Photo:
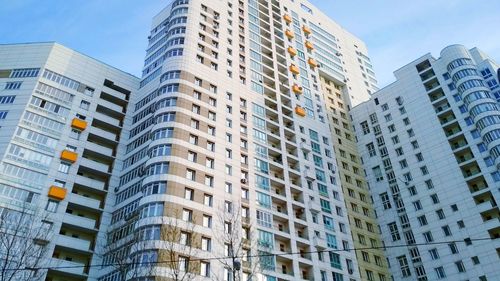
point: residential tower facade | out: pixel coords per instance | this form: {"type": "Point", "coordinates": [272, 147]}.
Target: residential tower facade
{"type": "Point", "coordinates": [429, 142]}
{"type": "Point", "coordinates": [61, 124]}
{"type": "Point", "coordinates": [230, 120]}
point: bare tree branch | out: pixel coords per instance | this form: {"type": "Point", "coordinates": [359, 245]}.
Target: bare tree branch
{"type": "Point", "coordinates": [24, 235]}
{"type": "Point", "coordinates": [235, 233]}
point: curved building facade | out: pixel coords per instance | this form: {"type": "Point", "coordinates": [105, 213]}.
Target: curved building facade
{"type": "Point", "coordinates": [476, 96]}
{"type": "Point", "coordinates": [229, 172]}
{"type": "Point", "coordinates": [432, 166]}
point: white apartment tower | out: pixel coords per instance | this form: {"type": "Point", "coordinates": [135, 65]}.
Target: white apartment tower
{"type": "Point", "coordinates": [229, 159]}
{"type": "Point", "coordinates": [61, 119]}
{"type": "Point", "coordinates": [431, 149]}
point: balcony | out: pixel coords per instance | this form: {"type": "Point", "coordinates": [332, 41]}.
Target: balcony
{"type": "Point", "coordinates": [115, 93]}
{"type": "Point", "coordinates": [78, 124]}
{"type": "Point", "coordinates": [69, 267]}
{"type": "Point", "coordinates": [73, 243]}
{"type": "Point", "coordinates": [112, 106]}
{"type": "Point", "coordinates": [104, 134]}
{"type": "Point", "coordinates": [91, 164]}
{"type": "Point", "coordinates": [485, 206]}
{"type": "Point", "coordinates": [88, 182]}
{"type": "Point", "coordinates": [99, 149]}
{"type": "Point", "coordinates": [69, 156]}
{"type": "Point", "coordinates": [107, 119]}
{"type": "Point", "coordinates": [78, 221]}
{"type": "Point", "coordinates": [85, 201]}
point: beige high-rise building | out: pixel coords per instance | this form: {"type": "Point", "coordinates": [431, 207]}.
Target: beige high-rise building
{"type": "Point", "coordinates": [231, 120]}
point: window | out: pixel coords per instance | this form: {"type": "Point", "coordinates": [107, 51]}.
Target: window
{"type": "Point", "coordinates": [183, 263]}
{"type": "Point", "coordinates": [453, 248]}
{"type": "Point", "coordinates": [187, 215]}
{"type": "Point", "coordinates": [428, 236]}
{"type": "Point", "coordinates": [52, 206]}
{"type": "Point", "coordinates": [434, 254]}
{"type": "Point", "coordinates": [193, 139]}
{"type": "Point", "coordinates": [190, 174]}
{"type": "Point", "coordinates": [365, 127]}
{"type": "Point", "coordinates": [460, 266]}
{"type": "Point", "coordinates": [209, 163]}
{"type": "Point", "coordinates": [7, 99]}
{"type": "Point", "coordinates": [189, 194]}
{"type": "Point", "coordinates": [440, 272]}
{"type": "Point", "coordinates": [207, 221]}
{"type": "Point", "coordinates": [3, 114]}
{"type": "Point", "coordinates": [403, 264]}
{"type": "Point", "coordinates": [84, 105]}
{"type": "Point", "coordinates": [185, 238]}
{"type": "Point", "coordinates": [208, 200]}
{"type": "Point", "coordinates": [435, 198]}
{"type": "Point", "coordinates": [446, 230]}
{"type": "Point", "coordinates": [192, 156]}
{"type": "Point", "coordinates": [209, 181]}
{"type": "Point", "coordinates": [475, 260]}
{"type": "Point", "coordinates": [393, 228]}
{"type": "Point", "coordinates": [371, 149]}
{"type": "Point", "coordinates": [64, 167]}
{"type": "Point", "coordinates": [152, 210]}
{"type": "Point", "coordinates": [205, 269]}
{"type": "Point", "coordinates": [384, 197]}
{"type": "Point", "coordinates": [422, 220]}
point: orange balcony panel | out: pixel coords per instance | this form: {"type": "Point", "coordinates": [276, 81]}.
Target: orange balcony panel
{"type": "Point", "coordinates": [292, 51]}
{"type": "Point", "coordinates": [312, 62]}
{"type": "Point", "coordinates": [297, 89]}
{"type": "Point", "coordinates": [294, 69]}
{"type": "Point", "coordinates": [300, 111]}
{"type": "Point", "coordinates": [309, 45]}
{"type": "Point", "coordinates": [306, 30]}
{"type": "Point", "coordinates": [289, 34]}
{"type": "Point", "coordinates": [69, 156]}
{"type": "Point", "coordinates": [78, 124]}
{"type": "Point", "coordinates": [56, 192]}
{"type": "Point", "coordinates": [287, 18]}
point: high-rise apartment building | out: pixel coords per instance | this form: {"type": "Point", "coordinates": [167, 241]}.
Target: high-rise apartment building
{"type": "Point", "coordinates": [230, 143]}
{"type": "Point", "coordinates": [430, 145]}
{"type": "Point", "coordinates": [61, 120]}
{"type": "Point", "coordinates": [346, 78]}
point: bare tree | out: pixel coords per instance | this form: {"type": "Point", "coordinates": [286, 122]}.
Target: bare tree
{"type": "Point", "coordinates": [24, 235]}
{"type": "Point", "coordinates": [122, 250]}
{"type": "Point", "coordinates": [180, 243]}
{"type": "Point", "coordinates": [234, 234]}
{"type": "Point", "coordinates": [135, 256]}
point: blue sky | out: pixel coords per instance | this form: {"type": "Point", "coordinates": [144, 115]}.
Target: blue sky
{"type": "Point", "coordinates": [395, 31]}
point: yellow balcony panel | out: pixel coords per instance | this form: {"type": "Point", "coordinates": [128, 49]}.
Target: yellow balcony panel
{"type": "Point", "coordinates": [56, 192]}
{"type": "Point", "coordinates": [309, 45]}
{"type": "Point", "coordinates": [292, 51]}
{"type": "Point", "coordinates": [312, 62]}
{"type": "Point", "coordinates": [294, 69]}
{"type": "Point", "coordinates": [297, 89]}
{"type": "Point", "coordinates": [69, 156]}
{"type": "Point", "coordinates": [289, 34]}
{"type": "Point", "coordinates": [287, 18]}
{"type": "Point", "coordinates": [300, 111]}
{"type": "Point", "coordinates": [78, 124]}
{"type": "Point", "coordinates": [306, 30]}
